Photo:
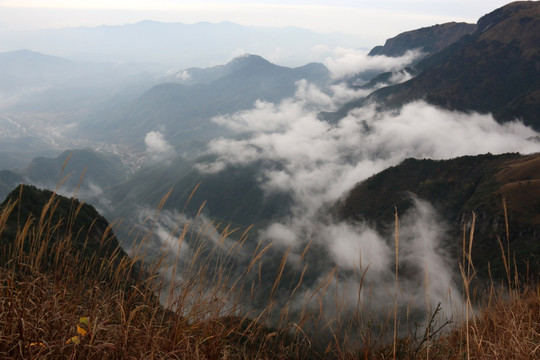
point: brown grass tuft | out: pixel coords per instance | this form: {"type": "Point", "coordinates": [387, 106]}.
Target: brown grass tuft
{"type": "Point", "coordinates": [57, 302]}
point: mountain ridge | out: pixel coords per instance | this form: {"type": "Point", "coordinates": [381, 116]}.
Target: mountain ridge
{"type": "Point", "coordinates": [185, 110]}
{"type": "Point", "coordinates": [428, 39]}
{"type": "Point", "coordinates": [456, 188]}
{"type": "Point", "coordinates": [493, 70]}
{"type": "Point", "coordinates": [179, 44]}
{"type": "Point", "coordinates": [88, 232]}
{"type": "Point", "coordinates": [82, 169]}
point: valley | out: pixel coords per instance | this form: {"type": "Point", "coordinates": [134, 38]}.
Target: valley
{"type": "Point", "coordinates": [314, 175]}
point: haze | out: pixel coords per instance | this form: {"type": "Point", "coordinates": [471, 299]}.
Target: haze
{"type": "Point", "coordinates": [371, 21]}
{"type": "Point", "coordinates": [241, 101]}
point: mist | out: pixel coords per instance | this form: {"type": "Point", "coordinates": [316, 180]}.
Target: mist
{"type": "Point", "coordinates": [157, 148]}
{"type": "Point", "coordinates": [177, 44]}
{"type": "Point", "coordinates": [317, 163]}
{"type": "Point", "coordinates": [348, 62]}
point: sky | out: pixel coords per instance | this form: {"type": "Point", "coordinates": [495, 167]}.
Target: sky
{"type": "Point", "coordinates": [372, 20]}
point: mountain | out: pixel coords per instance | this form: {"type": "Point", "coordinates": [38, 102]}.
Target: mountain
{"type": "Point", "coordinates": [32, 81]}
{"type": "Point", "coordinates": [88, 232]}
{"type": "Point", "coordinates": [177, 44]}
{"type": "Point", "coordinates": [234, 195]}
{"type": "Point", "coordinates": [93, 170]}
{"type": "Point", "coordinates": [493, 70]}
{"type": "Point", "coordinates": [42, 98]}
{"type": "Point", "coordinates": [194, 75]}
{"type": "Point", "coordinates": [18, 147]}
{"type": "Point", "coordinates": [428, 39]}
{"type": "Point", "coordinates": [24, 68]}
{"type": "Point", "coordinates": [184, 111]}
{"type": "Point", "coordinates": [456, 188]}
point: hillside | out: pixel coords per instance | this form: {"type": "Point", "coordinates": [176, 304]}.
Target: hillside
{"type": "Point", "coordinates": [72, 227]}
{"type": "Point", "coordinates": [428, 40]}
{"type": "Point", "coordinates": [69, 290]}
{"type": "Point", "coordinates": [89, 171]}
{"type": "Point", "coordinates": [456, 188]}
{"type": "Point", "coordinates": [493, 70]}
{"type": "Point", "coordinates": [234, 195]}
{"type": "Point", "coordinates": [25, 69]}
{"type": "Point", "coordinates": [184, 108]}
{"type": "Point", "coordinates": [8, 180]}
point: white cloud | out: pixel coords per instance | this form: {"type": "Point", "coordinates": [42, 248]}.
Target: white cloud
{"type": "Point", "coordinates": [239, 53]}
{"type": "Point", "coordinates": [311, 95]}
{"type": "Point", "coordinates": [265, 117]}
{"type": "Point", "coordinates": [348, 62]}
{"type": "Point", "coordinates": [157, 148]}
{"type": "Point", "coordinates": [280, 234]}
{"type": "Point", "coordinates": [317, 163]}
{"type": "Point", "coordinates": [183, 75]}
{"type": "Point", "coordinates": [358, 247]}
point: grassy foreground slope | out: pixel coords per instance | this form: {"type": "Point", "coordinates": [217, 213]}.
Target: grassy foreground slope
{"type": "Point", "coordinates": [53, 305]}
{"type": "Point", "coordinates": [67, 290]}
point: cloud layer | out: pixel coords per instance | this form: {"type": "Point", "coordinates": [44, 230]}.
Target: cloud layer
{"type": "Point", "coordinates": [348, 62]}
{"type": "Point", "coordinates": [318, 162]}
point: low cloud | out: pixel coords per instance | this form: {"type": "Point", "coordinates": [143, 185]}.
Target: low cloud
{"type": "Point", "coordinates": [256, 119]}
{"type": "Point", "coordinates": [239, 52]}
{"type": "Point", "coordinates": [183, 75]}
{"type": "Point", "coordinates": [317, 163]}
{"type": "Point", "coordinates": [347, 62]}
{"type": "Point", "coordinates": [157, 148]}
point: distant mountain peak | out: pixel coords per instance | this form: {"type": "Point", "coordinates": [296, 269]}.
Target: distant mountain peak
{"type": "Point", "coordinates": [248, 58]}
{"type": "Point", "coordinates": [247, 61]}
{"type": "Point", "coordinates": [501, 14]}
{"type": "Point", "coordinates": [492, 70]}
{"type": "Point", "coordinates": [26, 53]}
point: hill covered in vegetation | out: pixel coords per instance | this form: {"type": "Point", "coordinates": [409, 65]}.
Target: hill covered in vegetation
{"type": "Point", "coordinates": [492, 70]}
{"type": "Point", "coordinates": [458, 187]}
{"type": "Point", "coordinates": [68, 290]}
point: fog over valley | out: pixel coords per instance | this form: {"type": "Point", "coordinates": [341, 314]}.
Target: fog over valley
{"type": "Point", "coordinates": [291, 154]}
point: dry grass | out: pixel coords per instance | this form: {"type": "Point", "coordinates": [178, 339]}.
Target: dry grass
{"type": "Point", "coordinates": [53, 306]}
{"type": "Point", "coordinates": [506, 324]}
{"type": "Point", "coordinates": [508, 328]}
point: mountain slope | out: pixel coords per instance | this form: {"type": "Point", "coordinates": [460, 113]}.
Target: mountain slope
{"type": "Point", "coordinates": [93, 170]}
{"type": "Point", "coordinates": [88, 232]}
{"type": "Point", "coordinates": [183, 112]}
{"type": "Point", "coordinates": [493, 70]}
{"type": "Point", "coordinates": [232, 195]}
{"type": "Point", "coordinates": [8, 180]}
{"type": "Point", "coordinates": [456, 188]}
{"type": "Point", "coordinates": [428, 40]}
{"type": "Point", "coordinates": [24, 68]}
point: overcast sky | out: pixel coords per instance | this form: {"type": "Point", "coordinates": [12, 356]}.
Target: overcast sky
{"type": "Point", "coordinates": [371, 20]}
